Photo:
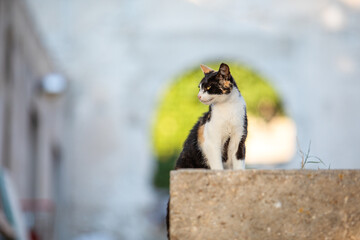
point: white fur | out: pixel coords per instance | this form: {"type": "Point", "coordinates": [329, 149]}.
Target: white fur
{"type": "Point", "coordinates": [227, 120]}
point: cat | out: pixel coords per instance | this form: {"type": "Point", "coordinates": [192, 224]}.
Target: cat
{"type": "Point", "coordinates": [217, 141]}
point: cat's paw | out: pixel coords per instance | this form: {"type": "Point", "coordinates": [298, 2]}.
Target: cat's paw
{"type": "Point", "coordinates": [239, 164]}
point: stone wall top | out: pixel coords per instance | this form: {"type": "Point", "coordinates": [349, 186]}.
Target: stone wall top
{"type": "Point", "coordinates": [265, 204]}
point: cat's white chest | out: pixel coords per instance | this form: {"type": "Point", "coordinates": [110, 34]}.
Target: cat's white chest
{"type": "Point", "coordinates": [227, 119]}
{"type": "Point", "coordinates": [226, 125]}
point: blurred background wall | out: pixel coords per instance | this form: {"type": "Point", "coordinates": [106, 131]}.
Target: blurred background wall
{"type": "Point", "coordinates": [31, 139]}
{"type": "Point", "coordinates": [120, 56]}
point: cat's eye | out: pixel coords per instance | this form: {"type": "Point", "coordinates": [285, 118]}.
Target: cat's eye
{"type": "Point", "coordinates": [208, 87]}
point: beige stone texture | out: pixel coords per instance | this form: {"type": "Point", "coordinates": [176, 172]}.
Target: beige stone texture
{"type": "Point", "coordinates": [265, 204]}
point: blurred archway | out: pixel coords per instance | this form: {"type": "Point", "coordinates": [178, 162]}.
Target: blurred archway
{"type": "Point", "coordinates": [272, 134]}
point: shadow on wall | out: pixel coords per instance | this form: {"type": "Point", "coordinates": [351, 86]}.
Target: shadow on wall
{"type": "Point", "coordinates": [272, 134]}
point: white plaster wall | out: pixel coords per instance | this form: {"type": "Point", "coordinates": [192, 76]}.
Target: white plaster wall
{"type": "Point", "coordinates": [121, 55]}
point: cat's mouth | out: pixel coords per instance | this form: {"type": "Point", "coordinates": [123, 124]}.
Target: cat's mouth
{"type": "Point", "coordinates": [207, 101]}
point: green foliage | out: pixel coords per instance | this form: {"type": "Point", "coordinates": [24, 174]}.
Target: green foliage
{"type": "Point", "coordinates": [179, 109]}
{"type": "Point", "coordinates": [164, 166]}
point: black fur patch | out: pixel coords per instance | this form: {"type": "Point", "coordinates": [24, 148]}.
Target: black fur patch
{"type": "Point", "coordinates": [240, 154]}
{"type": "Point", "coordinates": [168, 219]}
{"type": "Point", "coordinates": [191, 155]}
{"type": "Point", "coordinates": [217, 83]}
{"type": "Point", "coordinates": [224, 154]}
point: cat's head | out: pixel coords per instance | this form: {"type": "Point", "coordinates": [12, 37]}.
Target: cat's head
{"type": "Point", "coordinates": [216, 86]}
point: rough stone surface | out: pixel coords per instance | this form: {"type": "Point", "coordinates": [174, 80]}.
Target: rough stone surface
{"type": "Point", "coordinates": [263, 204]}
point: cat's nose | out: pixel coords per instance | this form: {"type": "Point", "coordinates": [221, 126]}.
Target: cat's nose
{"type": "Point", "coordinates": [199, 97]}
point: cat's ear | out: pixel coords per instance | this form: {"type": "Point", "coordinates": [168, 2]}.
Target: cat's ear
{"type": "Point", "coordinates": [224, 71]}
{"type": "Point", "coordinates": [206, 69]}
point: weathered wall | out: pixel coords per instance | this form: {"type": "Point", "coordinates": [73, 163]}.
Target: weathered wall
{"type": "Point", "coordinates": [263, 204]}
{"type": "Point", "coordinates": [30, 121]}
{"type": "Point", "coordinates": [122, 54]}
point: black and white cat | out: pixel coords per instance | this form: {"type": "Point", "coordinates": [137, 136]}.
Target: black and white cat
{"type": "Point", "coordinates": [217, 141]}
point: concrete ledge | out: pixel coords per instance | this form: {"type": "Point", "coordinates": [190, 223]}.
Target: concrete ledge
{"type": "Point", "coordinates": [265, 204]}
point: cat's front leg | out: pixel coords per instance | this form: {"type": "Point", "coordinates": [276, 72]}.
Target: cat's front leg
{"type": "Point", "coordinates": [237, 152]}
{"type": "Point", "coordinates": [212, 152]}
